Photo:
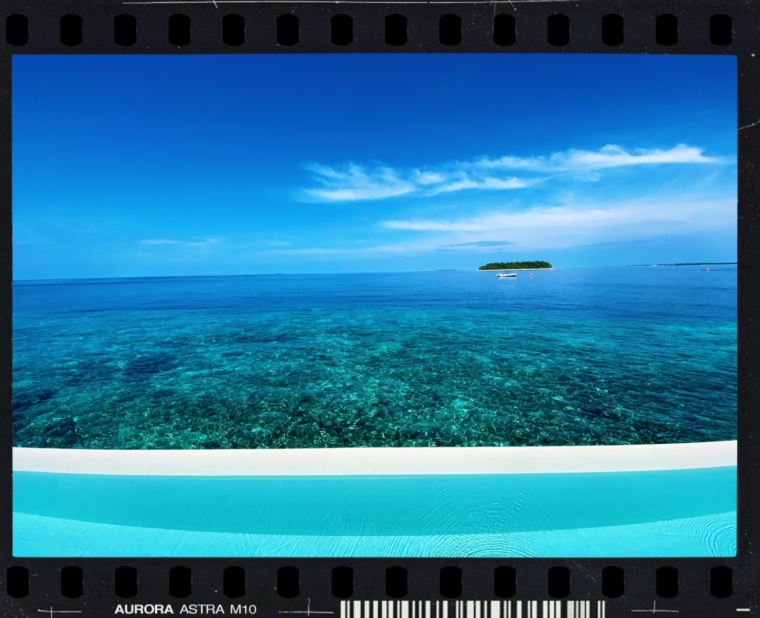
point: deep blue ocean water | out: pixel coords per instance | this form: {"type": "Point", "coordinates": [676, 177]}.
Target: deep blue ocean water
{"type": "Point", "coordinates": [577, 356]}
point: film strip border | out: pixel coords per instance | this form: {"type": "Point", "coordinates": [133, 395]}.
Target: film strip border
{"type": "Point", "coordinates": [209, 26]}
{"type": "Point", "coordinates": [287, 582]}
{"type": "Point", "coordinates": [240, 26]}
{"type": "Point", "coordinates": [547, 608]}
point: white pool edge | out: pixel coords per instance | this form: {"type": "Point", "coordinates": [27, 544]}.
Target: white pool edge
{"type": "Point", "coordinates": [378, 461]}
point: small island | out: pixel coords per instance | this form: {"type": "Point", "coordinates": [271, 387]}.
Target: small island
{"type": "Point", "coordinates": [515, 265]}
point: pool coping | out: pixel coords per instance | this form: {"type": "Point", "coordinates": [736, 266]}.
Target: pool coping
{"type": "Point", "coordinates": [372, 461]}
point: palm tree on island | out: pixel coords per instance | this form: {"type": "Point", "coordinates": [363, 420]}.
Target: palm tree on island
{"type": "Point", "coordinates": [516, 265]}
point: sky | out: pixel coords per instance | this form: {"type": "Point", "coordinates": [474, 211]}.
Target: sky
{"type": "Point", "coordinates": [144, 165]}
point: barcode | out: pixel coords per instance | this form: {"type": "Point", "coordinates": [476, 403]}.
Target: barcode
{"type": "Point", "coordinates": [473, 609]}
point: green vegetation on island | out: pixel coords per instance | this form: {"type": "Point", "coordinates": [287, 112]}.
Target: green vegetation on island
{"type": "Point", "coordinates": [515, 265]}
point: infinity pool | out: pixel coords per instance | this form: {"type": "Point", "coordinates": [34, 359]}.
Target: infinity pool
{"type": "Point", "coordinates": [689, 512]}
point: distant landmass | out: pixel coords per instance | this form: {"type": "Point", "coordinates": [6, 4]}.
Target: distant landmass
{"type": "Point", "coordinates": [690, 264]}
{"type": "Point", "coordinates": [515, 265]}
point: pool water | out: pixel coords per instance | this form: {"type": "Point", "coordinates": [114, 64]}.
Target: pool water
{"type": "Point", "coordinates": [629, 514]}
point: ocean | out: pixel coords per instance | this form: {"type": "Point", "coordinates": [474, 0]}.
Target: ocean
{"type": "Point", "coordinates": [635, 355]}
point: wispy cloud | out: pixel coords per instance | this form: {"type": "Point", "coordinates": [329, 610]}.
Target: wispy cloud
{"type": "Point", "coordinates": [537, 217]}
{"type": "Point", "coordinates": [489, 182]}
{"type": "Point", "coordinates": [609, 156]}
{"type": "Point", "coordinates": [353, 182]}
{"type": "Point", "coordinates": [372, 251]}
{"type": "Point", "coordinates": [573, 224]}
{"type": "Point", "coordinates": [542, 228]}
{"type": "Point", "coordinates": [479, 243]}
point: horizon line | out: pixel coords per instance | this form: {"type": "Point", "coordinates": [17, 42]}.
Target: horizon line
{"type": "Point", "coordinates": [371, 272]}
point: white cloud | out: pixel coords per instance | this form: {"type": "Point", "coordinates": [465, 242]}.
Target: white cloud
{"type": "Point", "coordinates": [486, 183]}
{"type": "Point", "coordinates": [372, 251]}
{"type": "Point", "coordinates": [428, 178]}
{"type": "Point", "coordinates": [478, 243]}
{"type": "Point", "coordinates": [542, 228]}
{"type": "Point", "coordinates": [568, 225]}
{"type": "Point", "coordinates": [353, 182]}
{"type": "Point", "coordinates": [537, 217]}
{"type": "Point", "coordinates": [607, 157]}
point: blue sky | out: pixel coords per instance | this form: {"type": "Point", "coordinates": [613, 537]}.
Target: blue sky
{"type": "Point", "coordinates": [202, 165]}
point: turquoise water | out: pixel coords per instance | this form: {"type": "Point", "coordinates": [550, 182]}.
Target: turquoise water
{"type": "Point", "coordinates": [713, 536]}
{"type": "Point", "coordinates": [584, 356]}
{"type": "Point", "coordinates": [581, 356]}
{"type": "Point", "coordinates": [633, 514]}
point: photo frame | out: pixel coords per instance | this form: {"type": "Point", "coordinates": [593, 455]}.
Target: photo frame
{"type": "Point", "coordinates": [456, 586]}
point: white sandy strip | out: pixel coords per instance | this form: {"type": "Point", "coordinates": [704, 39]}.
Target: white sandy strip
{"type": "Point", "coordinates": [378, 461]}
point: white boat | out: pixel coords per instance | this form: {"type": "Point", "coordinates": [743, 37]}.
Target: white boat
{"type": "Point", "coordinates": [505, 275]}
